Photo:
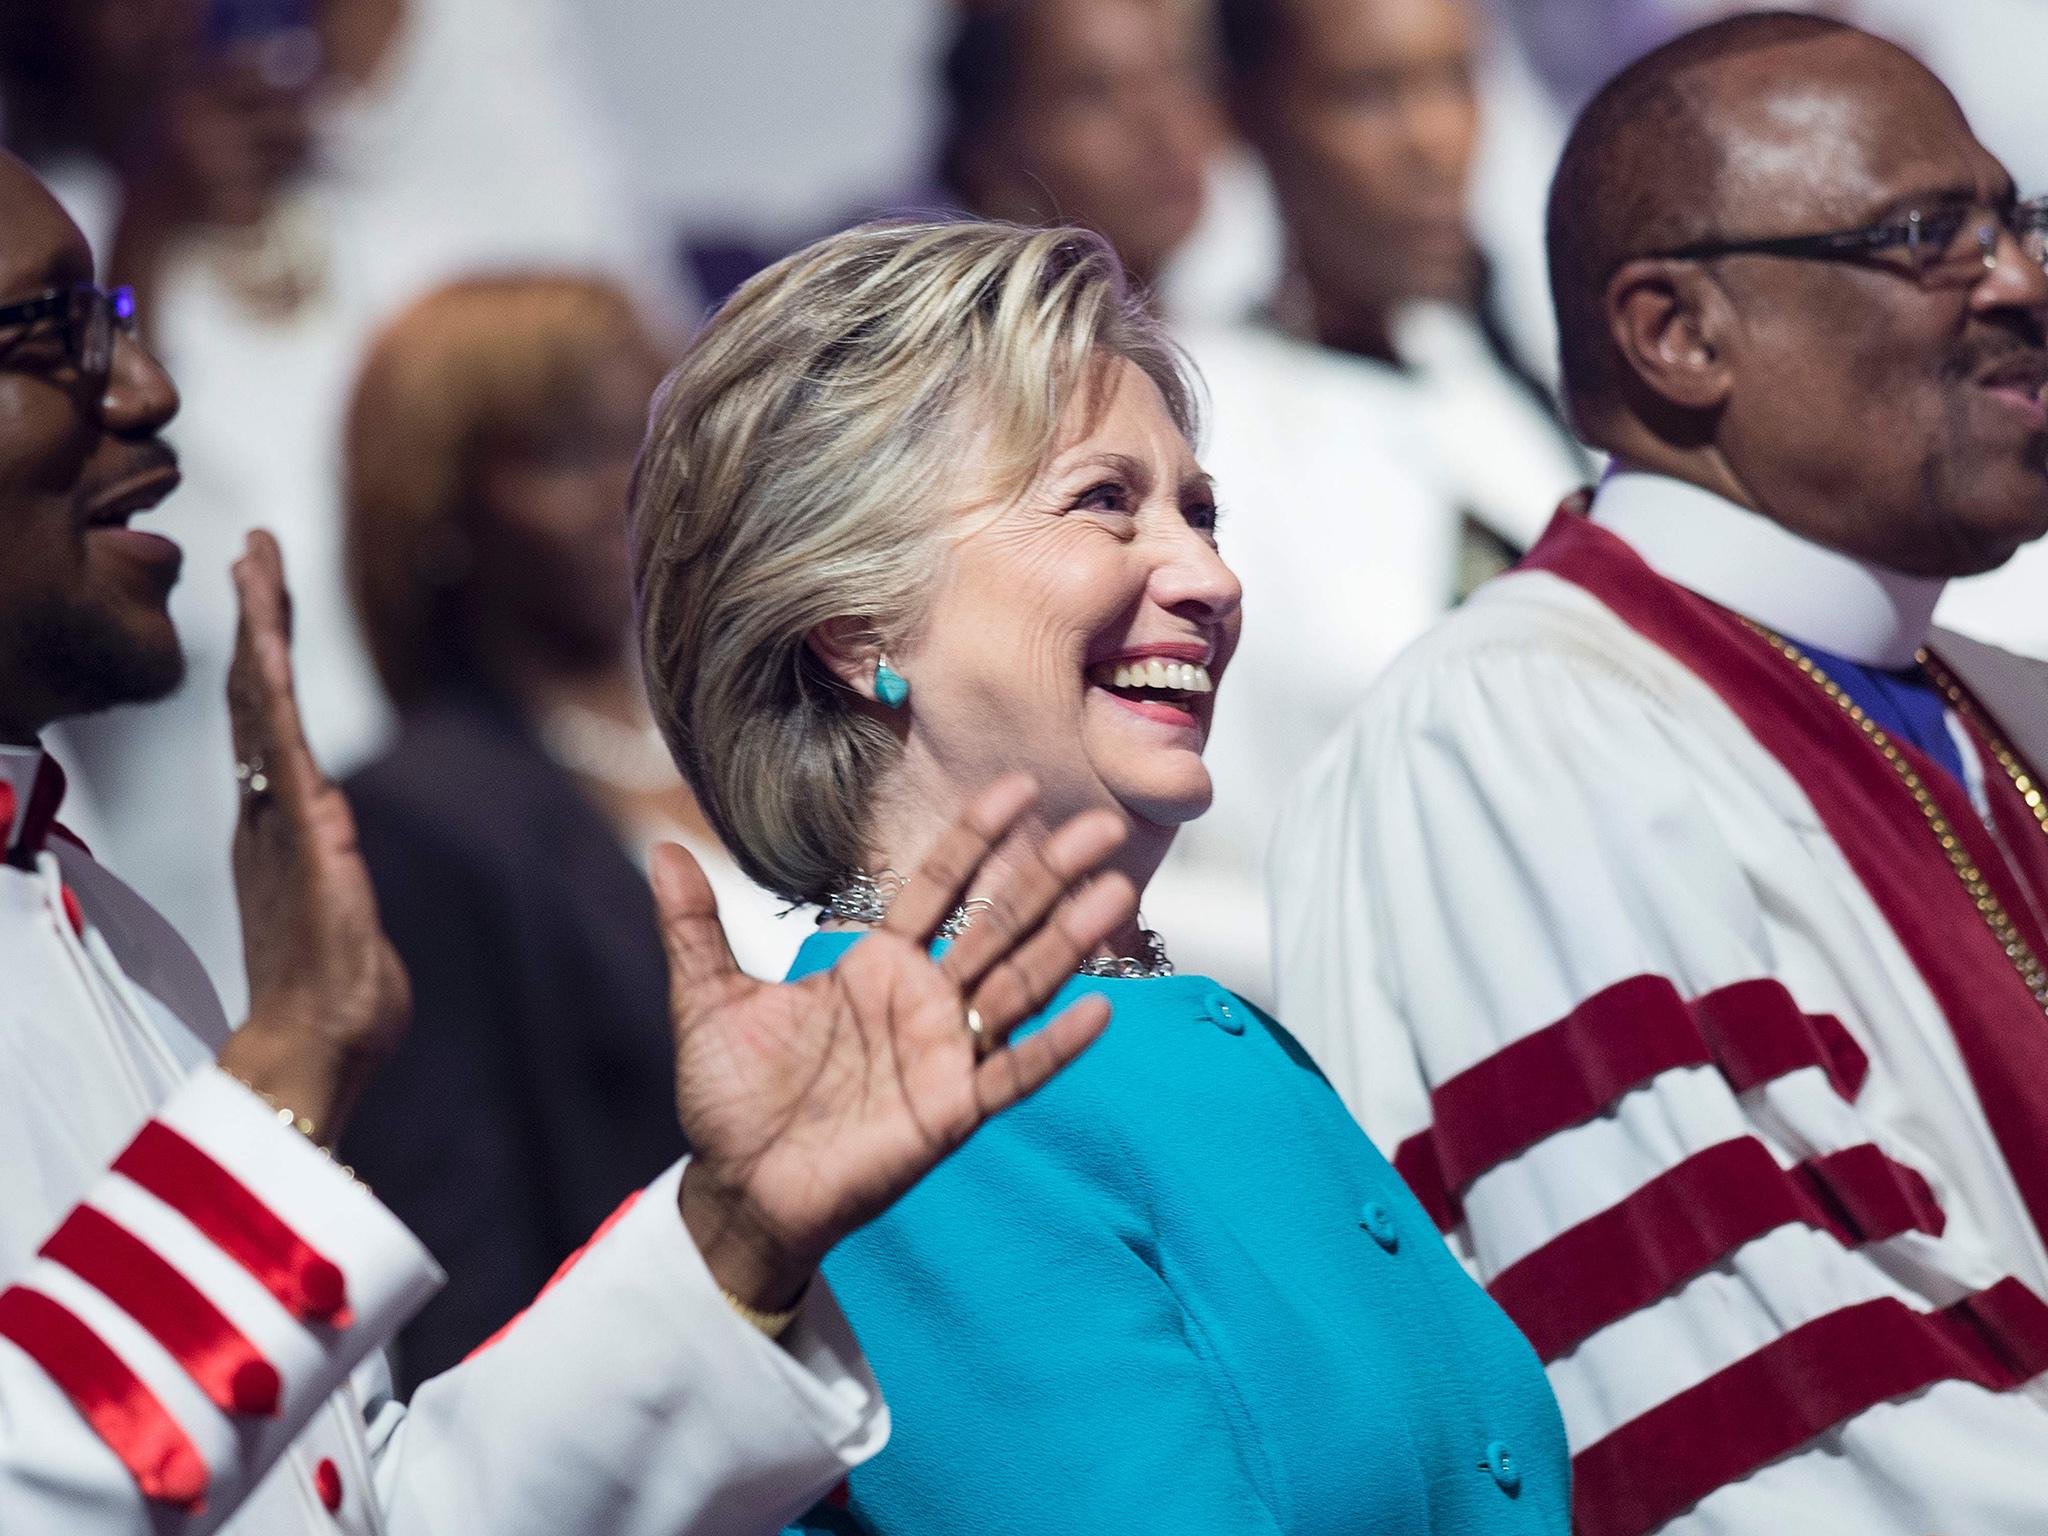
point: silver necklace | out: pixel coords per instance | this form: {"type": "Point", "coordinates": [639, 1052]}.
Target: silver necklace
{"type": "Point", "coordinates": [865, 898]}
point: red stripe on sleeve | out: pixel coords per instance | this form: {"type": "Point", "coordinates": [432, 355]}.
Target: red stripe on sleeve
{"type": "Point", "coordinates": [1562, 1075]}
{"type": "Point", "coordinates": [1769, 1404]}
{"type": "Point", "coordinates": [307, 1284]}
{"type": "Point", "coordinates": [1688, 1219]}
{"type": "Point", "coordinates": [128, 1272]}
{"type": "Point", "coordinates": [1865, 1197]}
{"type": "Point", "coordinates": [1615, 1041]}
{"type": "Point", "coordinates": [1757, 1034]}
{"type": "Point", "coordinates": [121, 1409]}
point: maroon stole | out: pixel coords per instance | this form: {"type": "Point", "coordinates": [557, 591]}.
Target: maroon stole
{"type": "Point", "coordinates": [2001, 1032]}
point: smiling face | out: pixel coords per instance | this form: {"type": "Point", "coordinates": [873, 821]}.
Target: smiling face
{"type": "Point", "coordinates": [84, 622]}
{"type": "Point", "coordinates": [1897, 419]}
{"type": "Point", "coordinates": [1078, 631]}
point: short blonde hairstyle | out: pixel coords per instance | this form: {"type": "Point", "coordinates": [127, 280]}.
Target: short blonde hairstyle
{"type": "Point", "coordinates": [798, 469]}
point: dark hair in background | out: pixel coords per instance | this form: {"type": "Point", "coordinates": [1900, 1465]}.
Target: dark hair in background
{"type": "Point", "coordinates": [1249, 33]}
{"type": "Point", "coordinates": [1641, 172]}
{"type": "Point", "coordinates": [38, 91]}
{"type": "Point", "coordinates": [978, 79]}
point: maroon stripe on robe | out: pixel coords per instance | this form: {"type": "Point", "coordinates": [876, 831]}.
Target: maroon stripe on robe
{"type": "Point", "coordinates": [1660, 1464]}
{"type": "Point", "coordinates": [1616, 1041]}
{"type": "Point", "coordinates": [1689, 1218]}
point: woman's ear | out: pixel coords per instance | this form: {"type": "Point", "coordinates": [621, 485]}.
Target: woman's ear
{"type": "Point", "coordinates": [1670, 322]}
{"type": "Point", "coordinates": [850, 650]}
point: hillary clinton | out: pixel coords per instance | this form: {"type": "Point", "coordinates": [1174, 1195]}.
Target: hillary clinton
{"type": "Point", "coordinates": [920, 510]}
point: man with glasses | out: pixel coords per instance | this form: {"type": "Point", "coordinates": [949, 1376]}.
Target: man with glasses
{"type": "Point", "coordinates": [1676, 913]}
{"type": "Point", "coordinates": [194, 1293]}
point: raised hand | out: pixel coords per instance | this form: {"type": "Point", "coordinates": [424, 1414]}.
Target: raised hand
{"type": "Point", "coordinates": [811, 1107]}
{"type": "Point", "coordinates": [328, 998]}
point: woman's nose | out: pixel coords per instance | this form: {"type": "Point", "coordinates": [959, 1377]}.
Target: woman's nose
{"type": "Point", "coordinates": [1194, 579]}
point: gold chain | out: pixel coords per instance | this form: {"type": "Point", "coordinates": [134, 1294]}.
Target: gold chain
{"type": "Point", "coordinates": [2009, 760]}
{"type": "Point", "coordinates": [1978, 888]}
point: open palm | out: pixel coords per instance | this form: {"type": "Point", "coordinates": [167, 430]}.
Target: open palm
{"type": "Point", "coordinates": [812, 1106]}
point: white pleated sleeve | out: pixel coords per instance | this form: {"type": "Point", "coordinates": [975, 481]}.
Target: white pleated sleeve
{"type": "Point", "coordinates": [185, 1322]}
{"type": "Point", "coordinates": [225, 1281]}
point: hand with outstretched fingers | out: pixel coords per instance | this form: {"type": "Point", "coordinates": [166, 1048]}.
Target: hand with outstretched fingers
{"type": "Point", "coordinates": [328, 998]}
{"type": "Point", "coordinates": [812, 1106]}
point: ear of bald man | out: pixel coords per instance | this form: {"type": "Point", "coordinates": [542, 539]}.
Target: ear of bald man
{"type": "Point", "coordinates": [1671, 322]}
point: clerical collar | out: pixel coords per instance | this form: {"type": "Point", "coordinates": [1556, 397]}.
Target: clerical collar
{"type": "Point", "coordinates": [1746, 563]}
{"type": "Point", "coordinates": [18, 769]}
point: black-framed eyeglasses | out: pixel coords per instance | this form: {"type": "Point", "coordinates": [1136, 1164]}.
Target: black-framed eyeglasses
{"type": "Point", "coordinates": [91, 317]}
{"type": "Point", "coordinates": [1946, 246]}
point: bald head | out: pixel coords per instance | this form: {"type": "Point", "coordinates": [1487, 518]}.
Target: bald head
{"type": "Point", "coordinates": [1737, 129]}
{"type": "Point", "coordinates": [1786, 271]}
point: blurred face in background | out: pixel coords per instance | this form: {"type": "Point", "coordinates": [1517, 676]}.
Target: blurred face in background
{"type": "Point", "coordinates": [1108, 122]}
{"type": "Point", "coordinates": [547, 522]}
{"type": "Point", "coordinates": [1366, 115]}
{"type": "Point", "coordinates": [490, 448]}
{"type": "Point", "coordinates": [205, 107]}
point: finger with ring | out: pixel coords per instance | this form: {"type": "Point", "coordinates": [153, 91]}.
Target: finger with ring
{"type": "Point", "coordinates": [252, 777]}
{"type": "Point", "coordinates": [975, 1027]}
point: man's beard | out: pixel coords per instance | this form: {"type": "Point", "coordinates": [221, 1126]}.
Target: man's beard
{"type": "Point", "coordinates": [83, 660]}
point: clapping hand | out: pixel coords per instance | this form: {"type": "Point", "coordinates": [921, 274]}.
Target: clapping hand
{"type": "Point", "coordinates": [812, 1106]}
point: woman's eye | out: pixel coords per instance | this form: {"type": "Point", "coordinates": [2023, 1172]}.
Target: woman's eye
{"type": "Point", "coordinates": [1204, 516]}
{"type": "Point", "coordinates": [1109, 496]}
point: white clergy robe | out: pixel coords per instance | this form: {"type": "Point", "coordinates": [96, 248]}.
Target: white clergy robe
{"type": "Point", "coordinates": [1654, 977]}
{"type": "Point", "coordinates": [193, 1298]}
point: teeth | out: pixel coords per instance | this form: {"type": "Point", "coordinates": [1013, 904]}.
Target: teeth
{"type": "Point", "coordinates": [1166, 676]}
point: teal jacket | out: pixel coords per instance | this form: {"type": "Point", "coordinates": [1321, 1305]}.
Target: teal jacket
{"type": "Point", "coordinates": [1179, 1291]}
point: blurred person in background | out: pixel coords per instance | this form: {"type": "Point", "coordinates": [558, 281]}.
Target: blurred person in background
{"type": "Point", "coordinates": [1367, 116]}
{"type": "Point", "coordinates": [1091, 112]}
{"type": "Point", "coordinates": [1105, 114]}
{"type": "Point", "coordinates": [274, 177]}
{"type": "Point", "coordinates": [1378, 443]}
{"type": "Point", "coordinates": [487, 456]}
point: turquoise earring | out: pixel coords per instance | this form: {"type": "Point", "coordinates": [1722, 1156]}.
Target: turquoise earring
{"type": "Point", "coordinates": [891, 686]}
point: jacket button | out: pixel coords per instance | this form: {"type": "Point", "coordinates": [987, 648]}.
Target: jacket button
{"type": "Point", "coordinates": [1225, 1011]}
{"type": "Point", "coordinates": [1378, 1222]}
{"type": "Point", "coordinates": [1500, 1462]}
{"type": "Point", "coordinates": [327, 1483]}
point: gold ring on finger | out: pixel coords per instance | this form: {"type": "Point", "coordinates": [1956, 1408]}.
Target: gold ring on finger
{"type": "Point", "coordinates": [975, 1027]}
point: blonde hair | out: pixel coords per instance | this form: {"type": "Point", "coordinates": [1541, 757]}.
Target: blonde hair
{"type": "Point", "coordinates": [448, 377]}
{"type": "Point", "coordinates": [799, 466]}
